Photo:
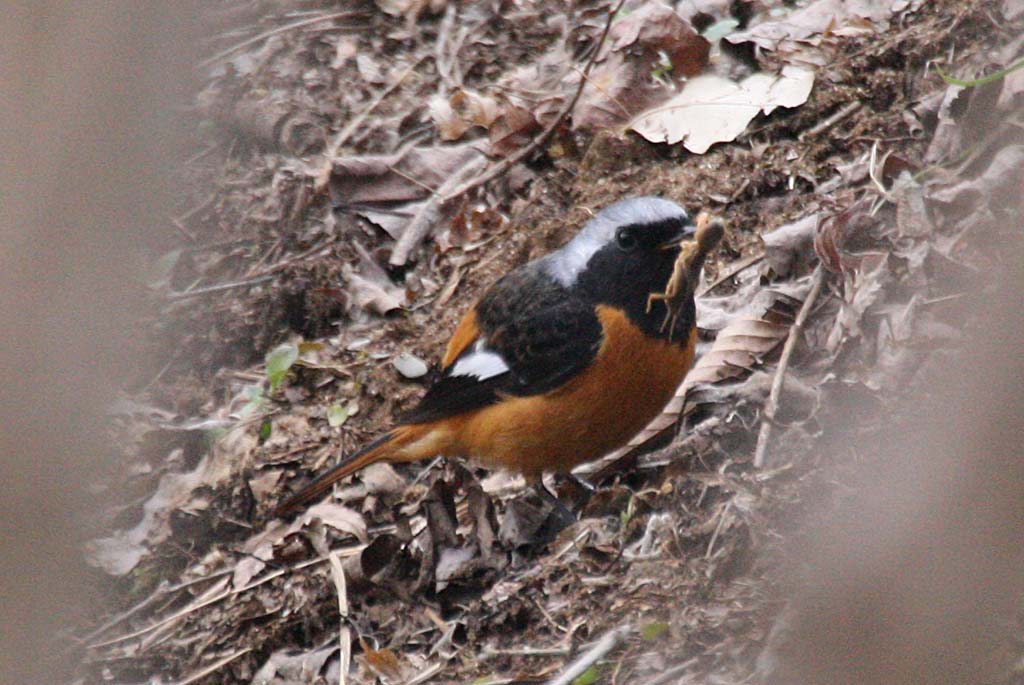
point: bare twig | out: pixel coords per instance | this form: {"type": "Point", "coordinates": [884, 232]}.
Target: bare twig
{"type": "Point", "coordinates": [458, 186]}
{"type": "Point", "coordinates": [344, 632]}
{"type": "Point", "coordinates": [258, 277]}
{"type": "Point", "coordinates": [211, 198]}
{"type": "Point", "coordinates": [737, 268]}
{"type": "Point", "coordinates": [219, 593]}
{"type": "Point", "coordinates": [444, 32]}
{"type": "Point", "coordinates": [273, 32]}
{"type": "Point", "coordinates": [430, 212]}
{"type": "Point", "coordinates": [604, 91]}
{"type": "Point", "coordinates": [672, 672]}
{"type": "Point", "coordinates": [772, 405]}
{"type": "Point", "coordinates": [718, 529]}
{"type": "Point", "coordinates": [875, 167]}
{"type": "Point", "coordinates": [607, 643]}
{"type": "Point", "coordinates": [196, 292]}
{"type": "Point", "coordinates": [842, 113]}
{"type": "Point", "coordinates": [489, 652]}
{"type": "Point", "coordinates": [334, 147]}
{"type": "Point", "coordinates": [288, 261]}
{"type": "Point", "coordinates": [524, 152]}
{"type": "Point", "coordinates": [183, 229]}
{"type": "Point", "coordinates": [124, 615]}
{"type": "Point", "coordinates": [215, 666]}
{"type": "Point", "coordinates": [213, 594]}
{"type": "Point", "coordinates": [426, 674]}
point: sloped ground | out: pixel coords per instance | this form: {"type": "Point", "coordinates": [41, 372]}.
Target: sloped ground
{"type": "Point", "coordinates": [881, 206]}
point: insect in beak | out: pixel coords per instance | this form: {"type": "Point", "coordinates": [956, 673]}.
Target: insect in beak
{"type": "Point", "coordinates": [673, 244]}
{"type": "Point", "coordinates": [687, 232]}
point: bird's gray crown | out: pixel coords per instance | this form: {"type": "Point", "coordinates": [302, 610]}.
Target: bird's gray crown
{"type": "Point", "coordinates": [566, 264]}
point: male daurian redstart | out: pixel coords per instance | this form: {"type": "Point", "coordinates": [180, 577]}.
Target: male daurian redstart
{"type": "Point", "coordinates": [561, 361]}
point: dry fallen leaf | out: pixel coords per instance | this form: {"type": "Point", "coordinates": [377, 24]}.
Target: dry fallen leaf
{"type": "Point", "coordinates": [738, 347]}
{"type": "Point", "coordinates": [513, 128]}
{"type": "Point", "coordinates": [655, 27]}
{"type": "Point", "coordinates": [811, 23]}
{"type": "Point", "coordinates": [1013, 9]}
{"type": "Point", "coordinates": [409, 174]}
{"type": "Point", "coordinates": [789, 249]}
{"type": "Point", "coordinates": [370, 287]}
{"type": "Point", "coordinates": [287, 666]}
{"type": "Point", "coordinates": [844, 238]}
{"type": "Point", "coordinates": [461, 111]}
{"type": "Point", "coordinates": [410, 366]}
{"type": "Point", "coordinates": [652, 41]}
{"type": "Point", "coordinates": [450, 126]}
{"type": "Point", "coordinates": [711, 109]}
{"type": "Point", "coordinates": [123, 549]}
{"type": "Point", "coordinates": [999, 182]}
{"type": "Point", "coordinates": [339, 517]}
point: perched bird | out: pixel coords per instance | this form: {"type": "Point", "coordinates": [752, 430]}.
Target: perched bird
{"type": "Point", "coordinates": [561, 361]}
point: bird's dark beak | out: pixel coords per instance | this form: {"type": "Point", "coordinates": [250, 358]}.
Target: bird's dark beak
{"type": "Point", "coordinates": [686, 232]}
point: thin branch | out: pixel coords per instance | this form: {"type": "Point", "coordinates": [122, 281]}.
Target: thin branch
{"type": "Point", "coordinates": [489, 652]}
{"type": "Point", "coordinates": [203, 601]}
{"type": "Point", "coordinates": [842, 113]}
{"type": "Point", "coordinates": [123, 616]}
{"type": "Point", "coordinates": [875, 168]}
{"type": "Point", "coordinates": [215, 666]}
{"type": "Point", "coordinates": [456, 186]}
{"type": "Point", "coordinates": [672, 672]}
{"type": "Point", "coordinates": [430, 212]}
{"type": "Point", "coordinates": [772, 405]}
{"type": "Point", "coordinates": [444, 32]}
{"type": "Point", "coordinates": [523, 153]}
{"type": "Point", "coordinates": [183, 229]}
{"type": "Point", "coordinates": [354, 123]}
{"type": "Point", "coordinates": [184, 295]}
{"type": "Point", "coordinates": [344, 632]}
{"type": "Point", "coordinates": [736, 269]}
{"type": "Point", "coordinates": [426, 674]}
{"type": "Point", "coordinates": [273, 32]}
{"type": "Point", "coordinates": [718, 529]}
{"type": "Point", "coordinates": [607, 643]}
{"type": "Point", "coordinates": [211, 596]}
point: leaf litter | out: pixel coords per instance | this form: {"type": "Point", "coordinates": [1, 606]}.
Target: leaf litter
{"type": "Point", "coordinates": [450, 578]}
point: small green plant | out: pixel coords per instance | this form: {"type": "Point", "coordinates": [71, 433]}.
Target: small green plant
{"type": "Point", "coordinates": [338, 413]}
{"type": "Point", "coordinates": [588, 676]}
{"type": "Point", "coordinates": [253, 395]}
{"type": "Point", "coordinates": [967, 83]}
{"type": "Point", "coordinates": [664, 66]}
{"type": "Point", "coordinates": [279, 360]}
{"type": "Point", "coordinates": [654, 630]}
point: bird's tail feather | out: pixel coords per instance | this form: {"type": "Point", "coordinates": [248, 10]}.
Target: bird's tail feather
{"type": "Point", "coordinates": [381, 448]}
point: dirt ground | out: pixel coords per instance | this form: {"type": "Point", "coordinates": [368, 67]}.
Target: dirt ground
{"type": "Point", "coordinates": [866, 223]}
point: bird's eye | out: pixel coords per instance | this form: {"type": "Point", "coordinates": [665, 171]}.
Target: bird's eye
{"type": "Point", "coordinates": [626, 239]}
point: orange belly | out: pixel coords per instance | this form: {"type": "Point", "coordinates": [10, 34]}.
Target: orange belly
{"type": "Point", "coordinates": [630, 380]}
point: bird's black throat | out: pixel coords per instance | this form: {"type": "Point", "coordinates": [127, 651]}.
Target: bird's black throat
{"type": "Point", "coordinates": [626, 280]}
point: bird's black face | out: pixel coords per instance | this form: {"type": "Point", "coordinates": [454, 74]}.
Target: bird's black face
{"type": "Point", "coordinates": [636, 261]}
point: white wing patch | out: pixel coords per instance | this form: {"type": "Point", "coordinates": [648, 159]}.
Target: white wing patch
{"type": "Point", "coordinates": [480, 362]}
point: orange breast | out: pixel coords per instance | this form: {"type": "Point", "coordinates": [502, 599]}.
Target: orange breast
{"type": "Point", "coordinates": [631, 379]}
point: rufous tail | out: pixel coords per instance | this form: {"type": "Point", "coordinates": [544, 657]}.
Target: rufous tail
{"type": "Point", "coordinates": [383, 448]}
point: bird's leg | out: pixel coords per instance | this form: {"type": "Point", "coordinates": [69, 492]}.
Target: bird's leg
{"type": "Point", "coordinates": [561, 515]}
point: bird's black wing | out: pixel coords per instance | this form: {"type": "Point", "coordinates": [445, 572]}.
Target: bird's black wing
{"type": "Point", "coordinates": [533, 336]}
